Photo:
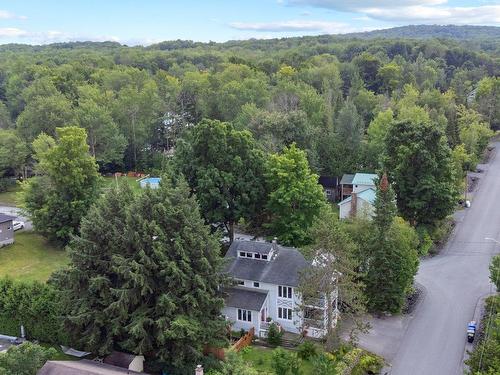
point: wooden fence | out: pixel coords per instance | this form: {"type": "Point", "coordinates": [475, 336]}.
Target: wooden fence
{"type": "Point", "coordinates": [244, 341]}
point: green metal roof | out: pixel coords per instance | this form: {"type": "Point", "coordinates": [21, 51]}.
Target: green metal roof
{"type": "Point", "coordinates": [364, 179]}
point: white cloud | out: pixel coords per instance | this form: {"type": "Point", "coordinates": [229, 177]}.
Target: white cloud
{"type": "Point", "coordinates": [12, 32]}
{"type": "Point", "coordinates": [6, 15]}
{"type": "Point", "coordinates": [487, 14]}
{"type": "Point", "coordinates": [356, 5]}
{"type": "Point", "coordinates": [294, 25]}
{"type": "Point", "coordinates": [422, 11]}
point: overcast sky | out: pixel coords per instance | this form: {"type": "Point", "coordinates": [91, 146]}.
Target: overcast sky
{"type": "Point", "coordinates": [148, 21]}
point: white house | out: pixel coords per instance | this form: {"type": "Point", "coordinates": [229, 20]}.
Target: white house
{"type": "Point", "coordinates": [362, 197]}
{"type": "Point", "coordinates": [266, 279]}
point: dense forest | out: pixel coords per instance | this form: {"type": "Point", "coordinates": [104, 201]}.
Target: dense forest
{"type": "Point", "coordinates": [331, 95]}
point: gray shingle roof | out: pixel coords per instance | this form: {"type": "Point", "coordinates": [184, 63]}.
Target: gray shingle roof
{"type": "Point", "coordinates": [83, 367]}
{"type": "Point", "coordinates": [347, 179]}
{"type": "Point", "coordinates": [283, 269]}
{"type": "Point", "coordinates": [4, 218]}
{"type": "Point", "coordinates": [245, 298]}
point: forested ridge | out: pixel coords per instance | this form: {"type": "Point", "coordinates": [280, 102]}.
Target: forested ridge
{"type": "Point", "coordinates": [322, 93]}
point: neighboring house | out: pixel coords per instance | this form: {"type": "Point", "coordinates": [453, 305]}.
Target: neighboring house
{"type": "Point", "coordinates": [358, 204]}
{"type": "Point", "coordinates": [361, 196]}
{"type": "Point", "coordinates": [125, 360]}
{"type": "Point", "coordinates": [6, 229]}
{"type": "Point", "coordinates": [363, 181]}
{"type": "Point", "coordinates": [330, 187]}
{"type": "Point", "coordinates": [266, 277]}
{"type": "Point", "coordinates": [346, 186]}
{"type": "Point", "coordinates": [83, 367]}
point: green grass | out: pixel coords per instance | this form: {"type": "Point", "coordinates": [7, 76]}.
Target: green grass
{"type": "Point", "coordinates": [261, 359]}
{"type": "Point", "coordinates": [30, 257]}
{"type": "Point", "coordinates": [132, 181]}
{"type": "Point", "coordinates": [8, 198]}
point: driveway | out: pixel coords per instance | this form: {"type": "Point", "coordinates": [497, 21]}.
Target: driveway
{"type": "Point", "coordinates": [432, 340]}
{"type": "Point", "coordinates": [14, 211]}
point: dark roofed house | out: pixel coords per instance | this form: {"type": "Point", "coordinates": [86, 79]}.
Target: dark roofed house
{"type": "Point", "coordinates": [330, 187]}
{"type": "Point", "coordinates": [266, 277]}
{"type": "Point", "coordinates": [6, 229]}
{"type": "Point", "coordinates": [83, 367]}
{"type": "Point", "coordinates": [125, 360]}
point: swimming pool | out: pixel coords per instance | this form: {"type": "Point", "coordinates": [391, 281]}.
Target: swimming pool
{"type": "Point", "coordinates": [152, 182]}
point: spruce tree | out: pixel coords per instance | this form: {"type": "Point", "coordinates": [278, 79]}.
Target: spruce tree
{"type": "Point", "coordinates": [86, 285]}
{"type": "Point", "coordinates": [171, 273]}
{"type": "Point", "coordinates": [393, 255]}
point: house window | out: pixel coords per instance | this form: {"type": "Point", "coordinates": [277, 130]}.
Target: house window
{"type": "Point", "coordinates": [284, 313]}
{"type": "Point", "coordinates": [328, 192]}
{"type": "Point", "coordinates": [257, 256]}
{"type": "Point", "coordinates": [240, 282]}
{"type": "Point", "coordinates": [285, 291]}
{"type": "Point", "coordinates": [264, 256]}
{"type": "Point", "coordinates": [242, 254]}
{"type": "Point", "coordinates": [244, 315]}
{"type": "Point", "coordinates": [256, 284]}
{"type": "Point", "coordinates": [249, 255]}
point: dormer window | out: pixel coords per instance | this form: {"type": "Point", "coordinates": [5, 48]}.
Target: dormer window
{"type": "Point", "coordinates": [264, 256]}
{"type": "Point", "coordinates": [242, 254]}
{"type": "Point", "coordinates": [257, 256]}
{"type": "Point", "coordinates": [249, 255]}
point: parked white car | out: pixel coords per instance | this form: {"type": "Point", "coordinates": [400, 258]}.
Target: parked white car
{"type": "Point", "coordinates": [18, 225]}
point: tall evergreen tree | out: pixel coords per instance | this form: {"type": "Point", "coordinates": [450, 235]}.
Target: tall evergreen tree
{"type": "Point", "coordinates": [393, 257]}
{"type": "Point", "coordinates": [171, 272]}
{"type": "Point", "coordinates": [88, 282]}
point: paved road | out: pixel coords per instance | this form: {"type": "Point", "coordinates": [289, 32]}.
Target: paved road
{"type": "Point", "coordinates": [13, 211]}
{"type": "Point", "coordinates": [432, 340]}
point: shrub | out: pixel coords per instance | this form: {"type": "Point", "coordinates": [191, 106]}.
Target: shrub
{"type": "Point", "coordinates": [285, 363]}
{"type": "Point", "coordinates": [307, 350]}
{"type": "Point", "coordinates": [25, 359]}
{"type": "Point", "coordinates": [274, 336]}
{"type": "Point", "coordinates": [34, 305]}
{"type": "Point", "coordinates": [6, 183]}
{"type": "Point", "coordinates": [368, 364]}
{"type": "Point", "coordinates": [323, 365]}
{"type": "Point", "coordinates": [425, 241]}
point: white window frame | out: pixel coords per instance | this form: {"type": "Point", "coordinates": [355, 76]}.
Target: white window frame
{"type": "Point", "coordinates": [244, 315]}
{"type": "Point", "coordinates": [256, 284]}
{"type": "Point", "coordinates": [285, 292]}
{"type": "Point", "coordinates": [285, 313]}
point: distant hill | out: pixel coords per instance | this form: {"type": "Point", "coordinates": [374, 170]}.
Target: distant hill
{"type": "Point", "coordinates": [465, 32]}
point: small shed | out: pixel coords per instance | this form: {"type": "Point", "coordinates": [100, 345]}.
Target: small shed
{"type": "Point", "coordinates": [6, 230]}
{"type": "Point", "coordinates": [124, 360]}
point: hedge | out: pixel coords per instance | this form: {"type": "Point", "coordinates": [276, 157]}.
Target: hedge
{"type": "Point", "coordinates": [34, 305]}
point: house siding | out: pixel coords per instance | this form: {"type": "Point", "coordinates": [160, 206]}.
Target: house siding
{"type": "Point", "coordinates": [6, 233]}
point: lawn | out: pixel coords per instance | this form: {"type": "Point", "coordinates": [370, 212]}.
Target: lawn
{"type": "Point", "coordinates": [31, 257]}
{"type": "Point", "coordinates": [8, 198]}
{"type": "Point", "coordinates": [261, 359]}
{"type": "Point", "coordinates": [132, 181]}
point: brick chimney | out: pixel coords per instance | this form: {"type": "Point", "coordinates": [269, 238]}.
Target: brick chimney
{"type": "Point", "coordinates": [199, 370]}
{"type": "Point", "coordinates": [354, 204]}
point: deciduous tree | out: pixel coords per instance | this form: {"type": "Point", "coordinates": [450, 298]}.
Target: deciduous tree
{"type": "Point", "coordinates": [57, 200]}
{"type": "Point", "coordinates": [295, 198]}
